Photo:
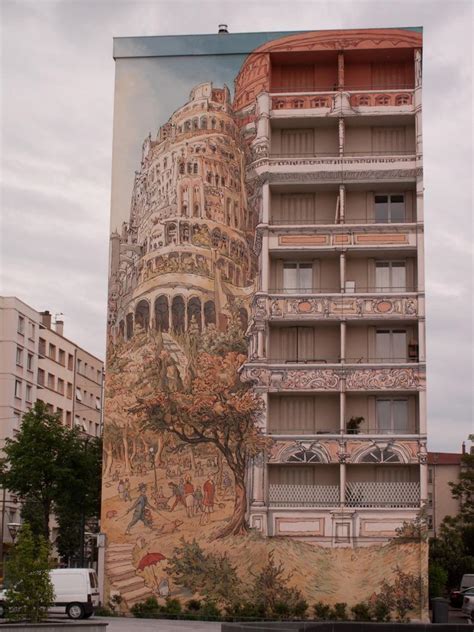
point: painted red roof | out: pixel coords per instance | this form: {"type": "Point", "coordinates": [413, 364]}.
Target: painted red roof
{"type": "Point", "coordinates": [444, 458]}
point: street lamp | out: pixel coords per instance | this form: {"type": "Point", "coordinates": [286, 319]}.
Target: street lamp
{"type": "Point", "coordinates": [153, 451]}
{"type": "Point", "coordinates": [14, 528]}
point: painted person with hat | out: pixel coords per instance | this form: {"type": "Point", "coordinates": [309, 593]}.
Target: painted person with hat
{"type": "Point", "coordinates": [139, 508]}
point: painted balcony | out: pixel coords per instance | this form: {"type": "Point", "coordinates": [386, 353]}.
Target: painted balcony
{"type": "Point", "coordinates": [292, 103]}
{"type": "Point", "coordinates": [309, 305]}
{"type": "Point", "coordinates": [378, 236]}
{"type": "Point", "coordinates": [371, 494]}
{"type": "Point", "coordinates": [274, 377]}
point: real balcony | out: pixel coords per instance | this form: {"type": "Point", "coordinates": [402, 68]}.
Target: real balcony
{"type": "Point", "coordinates": [394, 414]}
{"type": "Point", "coordinates": [292, 415]}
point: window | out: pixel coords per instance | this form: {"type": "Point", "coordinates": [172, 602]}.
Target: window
{"type": "Point", "coordinates": [79, 365]}
{"type": "Point", "coordinates": [430, 475]}
{"type": "Point", "coordinates": [42, 347]}
{"type": "Point", "coordinates": [392, 416]}
{"type": "Point", "coordinates": [390, 276]}
{"type": "Point", "coordinates": [391, 345]}
{"type": "Point", "coordinates": [19, 356]}
{"type": "Point", "coordinates": [389, 208]}
{"type": "Point", "coordinates": [29, 362]}
{"type": "Point", "coordinates": [59, 413]}
{"type": "Point", "coordinates": [51, 381]}
{"type": "Point", "coordinates": [60, 386]}
{"type": "Point", "coordinates": [62, 357]}
{"type": "Point", "coordinates": [21, 325]}
{"type": "Point", "coordinates": [68, 418]}
{"type": "Point", "coordinates": [52, 352]}
{"type": "Point", "coordinates": [41, 377]}
{"type": "Point", "coordinates": [78, 394]}
{"type": "Point", "coordinates": [297, 277]}
{"type": "Point", "coordinates": [97, 403]}
{"type": "Point", "coordinates": [69, 390]}
{"type": "Point", "coordinates": [28, 393]}
{"type": "Point", "coordinates": [31, 330]}
{"type": "Point", "coordinates": [18, 389]}
{"type": "Point", "coordinates": [70, 361]}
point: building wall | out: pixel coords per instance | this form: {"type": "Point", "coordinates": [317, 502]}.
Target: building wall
{"type": "Point", "coordinates": [228, 191]}
{"type": "Point", "coordinates": [440, 500]}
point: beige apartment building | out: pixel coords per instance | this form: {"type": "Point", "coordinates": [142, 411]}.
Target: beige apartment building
{"type": "Point", "coordinates": [38, 363]}
{"type": "Point", "coordinates": [443, 468]}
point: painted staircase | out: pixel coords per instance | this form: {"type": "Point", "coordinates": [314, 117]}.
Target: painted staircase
{"type": "Point", "coordinates": [122, 575]}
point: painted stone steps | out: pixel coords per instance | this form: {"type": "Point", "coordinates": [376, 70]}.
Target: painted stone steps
{"type": "Point", "coordinates": [123, 576]}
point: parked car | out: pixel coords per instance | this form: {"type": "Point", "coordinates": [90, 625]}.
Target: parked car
{"type": "Point", "coordinates": [76, 592]}
{"type": "Point", "coordinates": [468, 607]}
{"type": "Point", "coordinates": [456, 597]}
{"type": "Point", "coordinates": [467, 581]}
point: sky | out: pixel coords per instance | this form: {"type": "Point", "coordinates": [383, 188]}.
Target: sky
{"type": "Point", "coordinates": [56, 110]}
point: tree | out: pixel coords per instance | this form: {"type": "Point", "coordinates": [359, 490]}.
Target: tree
{"type": "Point", "coordinates": [216, 409]}
{"type": "Point", "coordinates": [453, 549]}
{"type": "Point", "coordinates": [30, 592]}
{"type": "Point", "coordinates": [53, 470]}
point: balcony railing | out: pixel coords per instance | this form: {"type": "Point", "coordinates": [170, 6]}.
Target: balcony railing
{"type": "Point", "coordinates": [338, 360]}
{"type": "Point", "coordinates": [331, 222]}
{"type": "Point", "coordinates": [283, 495]}
{"type": "Point", "coordinates": [371, 494]}
{"type": "Point", "coordinates": [383, 494]}
{"type": "Point", "coordinates": [361, 432]}
{"type": "Point", "coordinates": [358, 289]}
{"type": "Point", "coordinates": [346, 154]}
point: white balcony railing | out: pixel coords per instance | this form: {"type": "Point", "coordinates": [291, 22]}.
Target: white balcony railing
{"type": "Point", "coordinates": [368, 494]}
{"type": "Point", "coordinates": [383, 494]}
{"type": "Point", "coordinates": [303, 495]}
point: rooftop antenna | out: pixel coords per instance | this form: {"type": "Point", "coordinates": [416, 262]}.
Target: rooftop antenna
{"type": "Point", "coordinates": [223, 28]}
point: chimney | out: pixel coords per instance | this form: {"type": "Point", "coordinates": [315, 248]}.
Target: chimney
{"type": "Point", "coordinates": [60, 327]}
{"type": "Point", "coordinates": [464, 447]}
{"type": "Point", "coordinates": [46, 319]}
{"type": "Point", "coordinates": [223, 29]}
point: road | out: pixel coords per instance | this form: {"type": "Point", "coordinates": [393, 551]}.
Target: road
{"type": "Point", "coordinates": [123, 624]}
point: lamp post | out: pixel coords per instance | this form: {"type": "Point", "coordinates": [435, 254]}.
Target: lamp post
{"type": "Point", "coordinates": [153, 453]}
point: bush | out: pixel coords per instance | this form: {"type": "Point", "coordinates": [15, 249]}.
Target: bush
{"type": "Point", "coordinates": [172, 606]}
{"type": "Point", "coordinates": [103, 611]}
{"type": "Point", "coordinates": [322, 611]}
{"type": "Point", "coordinates": [209, 609]}
{"type": "Point", "coordinates": [361, 612]}
{"type": "Point", "coordinates": [381, 611]}
{"type": "Point", "coordinates": [339, 612]}
{"type": "Point", "coordinates": [246, 610]}
{"type": "Point", "coordinates": [193, 605]}
{"type": "Point", "coordinates": [281, 610]}
{"type": "Point", "coordinates": [438, 578]}
{"type": "Point", "coordinates": [148, 608]}
{"type": "Point", "coordinates": [300, 609]}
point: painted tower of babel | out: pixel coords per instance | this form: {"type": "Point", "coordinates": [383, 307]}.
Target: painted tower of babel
{"type": "Point", "coordinates": [185, 251]}
{"type": "Point", "coordinates": [265, 391]}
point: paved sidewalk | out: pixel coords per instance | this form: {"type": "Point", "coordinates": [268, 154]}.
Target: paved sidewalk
{"type": "Point", "coordinates": [123, 624]}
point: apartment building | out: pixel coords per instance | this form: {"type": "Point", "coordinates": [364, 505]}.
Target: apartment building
{"type": "Point", "coordinates": [443, 468]}
{"type": "Point", "coordinates": [338, 324]}
{"type": "Point", "coordinates": [38, 363]}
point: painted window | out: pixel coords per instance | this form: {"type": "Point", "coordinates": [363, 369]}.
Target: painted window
{"type": "Point", "coordinates": [389, 208]}
{"type": "Point", "coordinates": [391, 345]}
{"type": "Point", "coordinates": [390, 276]}
{"type": "Point", "coordinates": [178, 314]}
{"type": "Point", "coordinates": [392, 416]}
{"type": "Point", "coordinates": [297, 277]}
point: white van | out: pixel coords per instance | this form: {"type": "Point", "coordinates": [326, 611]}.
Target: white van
{"type": "Point", "coordinates": [76, 592]}
{"type": "Point", "coordinates": [467, 581]}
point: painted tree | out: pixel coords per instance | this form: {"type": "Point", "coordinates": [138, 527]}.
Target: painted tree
{"type": "Point", "coordinates": [216, 409]}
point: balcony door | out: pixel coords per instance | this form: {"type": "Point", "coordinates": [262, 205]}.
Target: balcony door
{"type": "Point", "coordinates": [389, 208]}
{"type": "Point", "coordinates": [390, 276]}
{"type": "Point", "coordinates": [392, 416]}
{"type": "Point", "coordinates": [391, 345]}
{"type": "Point", "coordinates": [298, 278]}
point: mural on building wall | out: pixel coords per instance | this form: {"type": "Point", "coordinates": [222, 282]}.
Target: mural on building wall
{"type": "Point", "coordinates": [182, 430]}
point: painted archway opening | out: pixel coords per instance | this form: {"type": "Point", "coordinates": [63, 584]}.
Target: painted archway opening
{"type": "Point", "coordinates": [142, 315]}
{"type": "Point", "coordinates": [162, 314]}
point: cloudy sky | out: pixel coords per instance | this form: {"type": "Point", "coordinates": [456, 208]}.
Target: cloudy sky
{"type": "Point", "coordinates": [57, 90]}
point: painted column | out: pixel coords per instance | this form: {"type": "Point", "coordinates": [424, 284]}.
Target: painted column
{"type": "Point", "coordinates": [417, 102]}
{"type": "Point", "coordinates": [265, 203]}
{"type": "Point", "coordinates": [422, 411]}
{"type": "Point", "coordinates": [261, 343]}
{"type": "Point", "coordinates": [343, 340]}
{"type": "Point", "coordinates": [342, 271]}
{"type": "Point", "coordinates": [342, 484]}
{"type": "Point", "coordinates": [421, 340]}
{"type": "Point", "coordinates": [258, 490]}
{"type": "Point", "coordinates": [342, 203]}
{"type": "Point", "coordinates": [341, 136]}
{"type": "Point", "coordinates": [340, 70]}
{"type": "Point", "coordinates": [423, 483]}
{"type": "Point", "coordinates": [264, 257]}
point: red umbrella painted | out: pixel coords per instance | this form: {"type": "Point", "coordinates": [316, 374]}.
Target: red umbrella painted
{"type": "Point", "coordinates": [150, 559]}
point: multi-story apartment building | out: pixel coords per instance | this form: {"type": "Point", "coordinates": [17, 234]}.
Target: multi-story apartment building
{"type": "Point", "coordinates": [443, 468]}
{"type": "Point", "coordinates": [269, 239]}
{"type": "Point", "coordinates": [338, 326]}
{"type": "Point", "coordinates": [38, 363]}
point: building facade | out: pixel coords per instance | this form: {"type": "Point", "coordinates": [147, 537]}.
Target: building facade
{"type": "Point", "coordinates": [443, 468]}
{"type": "Point", "coordinates": [38, 363]}
{"type": "Point", "coordinates": [266, 325]}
